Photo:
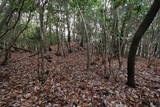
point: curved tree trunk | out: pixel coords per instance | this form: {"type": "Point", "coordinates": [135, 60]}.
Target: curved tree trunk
{"type": "Point", "coordinates": [136, 39]}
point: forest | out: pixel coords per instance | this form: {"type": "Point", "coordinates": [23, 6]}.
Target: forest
{"type": "Point", "coordinates": [79, 53]}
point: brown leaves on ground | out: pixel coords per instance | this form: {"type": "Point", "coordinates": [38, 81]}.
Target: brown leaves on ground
{"type": "Point", "coordinates": [68, 84]}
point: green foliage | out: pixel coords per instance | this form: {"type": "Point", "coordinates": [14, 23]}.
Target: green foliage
{"type": "Point", "coordinates": [25, 5]}
{"type": "Point", "coordinates": [117, 3]}
{"type": "Point", "coordinates": [29, 5]}
{"type": "Point", "coordinates": [94, 12]}
{"type": "Point", "coordinates": [51, 38]}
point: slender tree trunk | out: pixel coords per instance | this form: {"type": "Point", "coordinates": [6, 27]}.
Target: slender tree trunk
{"type": "Point", "coordinates": [69, 32]}
{"type": "Point", "coordinates": [136, 39]}
{"type": "Point", "coordinates": [82, 33]}
{"type": "Point", "coordinates": [105, 39]}
{"type": "Point", "coordinates": [73, 31]}
{"type": "Point", "coordinates": [58, 41]}
{"type": "Point", "coordinates": [87, 38]}
{"type": "Point", "coordinates": [41, 17]}
{"type": "Point", "coordinates": [42, 4]}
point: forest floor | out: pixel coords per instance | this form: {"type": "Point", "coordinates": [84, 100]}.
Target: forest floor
{"type": "Point", "coordinates": [68, 84]}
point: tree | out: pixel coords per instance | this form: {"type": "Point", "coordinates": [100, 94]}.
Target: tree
{"type": "Point", "coordinates": [87, 38]}
{"type": "Point", "coordinates": [136, 39]}
{"type": "Point", "coordinates": [11, 25]}
{"type": "Point", "coordinates": [42, 4]}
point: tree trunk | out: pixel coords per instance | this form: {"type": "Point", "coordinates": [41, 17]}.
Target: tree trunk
{"type": "Point", "coordinates": [136, 39]}
{"type": "Point", "coordinates": [69, 32]}
{"type": "Point", "coordinates": [87, 38]}
{"type": "Point", "coordinates": [105, 40]}
{"type": "Point", "coordinates": [58, 40]}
